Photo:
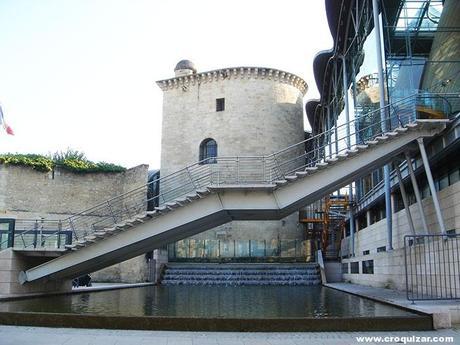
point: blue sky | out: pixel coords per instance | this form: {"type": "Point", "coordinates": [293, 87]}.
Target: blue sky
{"type": "Point", "coordinates": [81, 73]}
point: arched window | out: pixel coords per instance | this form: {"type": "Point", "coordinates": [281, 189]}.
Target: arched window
{"type": "Point", "coordinates": [208, 151]}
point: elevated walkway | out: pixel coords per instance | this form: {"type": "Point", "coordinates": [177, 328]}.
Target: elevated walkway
{"type": "Point", "coordinates": [289, 184]}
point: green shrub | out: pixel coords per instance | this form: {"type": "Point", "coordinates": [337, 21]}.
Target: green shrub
{"type": "Point", "coordinates": [36, 162]}
{"type": "Point", "coordinates": [70, 160]}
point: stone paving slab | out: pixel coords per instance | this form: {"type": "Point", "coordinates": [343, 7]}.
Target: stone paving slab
{"type": "Point", "coordinates": [444, 313]}
{"type": "Point", "coordinates": [17, 335]}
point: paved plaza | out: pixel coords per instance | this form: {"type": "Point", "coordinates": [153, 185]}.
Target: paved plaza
{"type": "Point", "coordinates": [14, 335]}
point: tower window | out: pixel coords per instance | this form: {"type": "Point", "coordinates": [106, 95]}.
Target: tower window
{"type": "Point", "coordinates": [208, 151]}
{"type": "Point", "coordinates": [220, 104]}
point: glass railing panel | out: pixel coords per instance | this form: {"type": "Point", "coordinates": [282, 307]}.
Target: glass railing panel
{"type": "Point", "coordinates": [211, 248]}
{"type": "Point", "coordinates": [181, 250]}
{"type": "Point", "coordinates": [258, 248]}
{"type": "Point", "coordinates": [196, 248]}
{"type": "Point", "coordinates": [242, 248]}
{"type": "Point", "coordinates": [288, 248]}
{"type": "Point", "coordinates": [227, 248]}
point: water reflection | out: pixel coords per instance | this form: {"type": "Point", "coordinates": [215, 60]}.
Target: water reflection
{"type": "Point", "coordinates": [207, 301]}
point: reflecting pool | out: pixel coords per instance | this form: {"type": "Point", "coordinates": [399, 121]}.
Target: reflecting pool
{"type": "Point", "coordinates": [211, 301]}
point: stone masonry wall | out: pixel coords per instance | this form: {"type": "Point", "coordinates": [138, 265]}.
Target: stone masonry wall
{"type": "Point", "coordinates": [29, 194]}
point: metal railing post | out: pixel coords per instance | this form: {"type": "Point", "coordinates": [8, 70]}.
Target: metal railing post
{"type": "Point", "coordinates": [406, 268]}
{"type": "Point", "coordinates": [59, 234]}
{"type": "Point", "coordinates": [237, 170]}
{"type": "Point", "coordinates": [11, 233]}
{"type": "Point", "coordinates": [35, 233]}
{"type": "Point", "coordinates": [111, 212]}
{"type": "Point", "coordinates": [72, 227]}
{"type": "Point", "coordinates": [41, 232]}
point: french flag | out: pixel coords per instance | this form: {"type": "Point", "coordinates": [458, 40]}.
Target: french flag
{"type": "Point", "coordinates": [7, 128]}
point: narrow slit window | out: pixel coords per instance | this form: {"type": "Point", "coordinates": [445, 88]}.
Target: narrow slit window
{"type": "Point", "coordinates": [220, 104]}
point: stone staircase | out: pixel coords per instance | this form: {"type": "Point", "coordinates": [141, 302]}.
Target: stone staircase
{"type": "Point", "coordinates": [241, 274]}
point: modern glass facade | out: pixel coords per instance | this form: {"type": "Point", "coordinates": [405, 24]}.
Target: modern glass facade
{"type": "Point", "coordinates": [421, 61]}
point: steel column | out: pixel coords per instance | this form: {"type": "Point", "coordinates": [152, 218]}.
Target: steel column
{"type": "Point", "coordinates": [383, 123]}
{"type": "Point", "coordinates": [417, 193]}
{"type": "Point", "coordinates": [429, 177]}
{"type": "Point", "coordinates": [347, 120]}
{"type": "Point", "coordinates": [404, 198]}
{"type": "Point", "coordinates": [329, 129]}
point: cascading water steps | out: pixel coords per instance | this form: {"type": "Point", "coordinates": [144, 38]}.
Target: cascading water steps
{"type": "Point", "coordinates": [241, 274]}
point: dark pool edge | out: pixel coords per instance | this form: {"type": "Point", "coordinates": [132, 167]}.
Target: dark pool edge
{"type": "Point", "coordinates": [375, 299]}
{"type": "Point", "coordinates": [400, 323]}
{"type": "Point", "coordinates": [4, 298]}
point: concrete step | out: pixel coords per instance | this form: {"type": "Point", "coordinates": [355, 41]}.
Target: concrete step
{"type": "Point", "coordinates": [162, 209]}
{"type": "Point", "coordinates": [342, 156]}
{"type": "Point", "coordinates": [101, 233]}
{"type": "Point", "coordinates": [134, 221]}
{"type": "Point", "coordinates": [203, 191]}
{"type": "Point", "coordinates": [172, 204]}
{"type": "Point", "coordinates": [332, 160]}
{"type": "Point", "coordinates": [400, 129]}
{"type": "Point", "coordinates": [183, 201]}
{"type": "Point", "coordinates": [322, 165]}
{"type": "Point", "coordinates": [151, 214]}
{"type": "Point", "coordinates": [71, 246]}
{"type": "Point", "coordinates": [381, 138]}
{"type": "Point", "coordinates": [352, 152]}
{"type": "Point", "coordinates": [247, 283]}
{"type": "Point", "coordinates": [241, 274]}
{"type": "Point", "coordinates": [80, 244]}
{"type": "Point", "coordinates": [301, 174]}
{"type": "Point", "coordinates": [192, 196]}
{"type": "Point", "coordinates": [90, 238]}
{"type": "Point", "coordinates": [362, 147]}
{"type": "Point", "coordinates": [281, 182]}
{"type": "Point", "coordinates": [311, 170]}
{"type": "Point", "coordinates": [291, 178]}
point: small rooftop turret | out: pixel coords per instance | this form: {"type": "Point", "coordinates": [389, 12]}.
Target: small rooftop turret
{"type": "Point", "coordinates": [184, 67]}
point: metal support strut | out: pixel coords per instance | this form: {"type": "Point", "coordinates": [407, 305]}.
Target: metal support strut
{"type": "Point", "coordinates": [347, 119]}
{"type": "Point", "coordinates": [418, 198]}
{"type": "Point", "coordinates": [405, 202]}
{"type": "Point", "coordinates": [429, 177]}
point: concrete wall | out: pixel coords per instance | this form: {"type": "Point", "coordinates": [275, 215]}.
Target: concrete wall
{"type": "Point", "coordinates": [11, 263]}
{"type": "Point", "coordinates": [389, 266]}
{"type": "Point", "coordinates": [263, 114]}
{"type": "Point", "coordinates": [29, 194]}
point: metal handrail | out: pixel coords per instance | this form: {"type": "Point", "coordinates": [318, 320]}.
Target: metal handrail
{"type": "Point", "coordinates": [243, 170]}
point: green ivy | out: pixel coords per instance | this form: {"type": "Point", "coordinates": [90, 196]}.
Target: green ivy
{"type": "Point", "coordinates": [71, 160]}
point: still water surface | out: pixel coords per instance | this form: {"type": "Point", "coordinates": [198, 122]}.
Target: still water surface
{"type": "Point", "coordinates": [211, 301]}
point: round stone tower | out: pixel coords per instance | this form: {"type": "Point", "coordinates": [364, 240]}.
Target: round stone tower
{"type": "Point", "coordinates": [240, 111]}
